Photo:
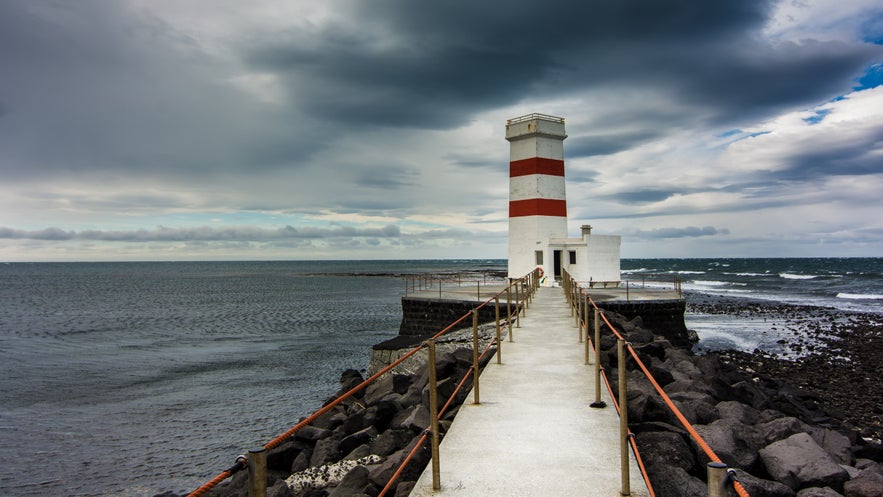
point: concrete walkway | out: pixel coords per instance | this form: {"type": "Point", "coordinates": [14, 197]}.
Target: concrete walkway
{"type": "Point", "coordinates": [534, 433]}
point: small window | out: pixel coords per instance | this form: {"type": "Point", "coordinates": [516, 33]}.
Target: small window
{"type": "Point", "coordinates": [573, 256]}
{"type": "Point", "coordinates": [539, 257]}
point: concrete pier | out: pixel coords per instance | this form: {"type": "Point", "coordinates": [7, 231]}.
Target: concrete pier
{"type": "Point", "coordinates": [534, 433]}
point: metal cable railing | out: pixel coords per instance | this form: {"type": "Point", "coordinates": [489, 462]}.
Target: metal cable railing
{"type": "Point", "coordinates": [524, 288]}
{"type": "Point", "coordinates": [718, 475]}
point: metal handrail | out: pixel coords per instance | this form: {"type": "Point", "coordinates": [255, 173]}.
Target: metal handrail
{"type": "Point", "coordinates": [530, 281]}
{"type": "Point", "coordinates": [575, 295]}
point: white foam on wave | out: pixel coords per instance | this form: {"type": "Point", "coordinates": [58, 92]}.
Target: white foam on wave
{"type": "Point", "coordinates": [747, 274]}
{"type": "Point", "coordinates": [860, 296]}
{"type": "Point", "coordinates": [690, 272]}
{"type": "Point", "coordinates": [640, 270]}
{"type": "Point", "coordinates": [717, 283]}
{"type": "Point", "coordinates": [789, 276]}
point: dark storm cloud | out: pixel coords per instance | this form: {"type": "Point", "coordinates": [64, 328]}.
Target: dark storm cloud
{"type": "Point", "coordinates": [101, 85]}
{"type": "Point", "coordinates": [201, 234]}
{"type": "Point", "coordinates": [645, 196]}
{"type": "Point", "coordinates": [688, 232]}
{"type": "Point", "coordinates": [388, 178]}
{"type": "Point", "coordinates": [96, 85]}
{"type": "Point", "coordinates": [588, 146]}
{"type": "Point", "coordinates": [403, 63]}
{"type": "Point", "coordinates": [844, 160]}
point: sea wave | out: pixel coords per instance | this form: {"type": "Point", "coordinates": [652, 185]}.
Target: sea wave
{"type": "Point", "coordinates": [747, 274]}
{"type": "Point", "coordinates": [717, 283]}
{"type": "Point", "coordinates": [860, 296]}
{"type": "Point", "coordinates": [790, 276]}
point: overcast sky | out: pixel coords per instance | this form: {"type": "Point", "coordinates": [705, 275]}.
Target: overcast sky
{"type": "Point", "coordinates": [222, 129]}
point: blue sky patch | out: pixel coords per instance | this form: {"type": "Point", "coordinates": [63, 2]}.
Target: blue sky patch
{"type": "Point", "coordinates": [817, 117]}
{"type": "Point", "coordinates": [872, 78]}
{"type": "Point", "coordinates": [872, 29]}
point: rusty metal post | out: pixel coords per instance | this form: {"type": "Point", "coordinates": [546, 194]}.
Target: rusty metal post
{"type": "Point", "coordinates": [586, 315]}
{"type": "Point", "coordinates": [433, 415]}
{"type": "Point", "coordinates": [579, 314]}
{"type": "Point", "coordinates": [623, 418]}
{"type": "Point", "coordinates": [509, 309]}
{"type": "Point", "coordinates": [568, 292]}
{"type": "Point", "coordinates": [476, 398]}
{"type": "Point", "coordinates": [517, 304]}
{"type": "Point", "coordinates": [257, 472]}
{"type": "Point", "coordinates": [717, 479]}
{"type": "Point", "coordinates": [497, 314]}
{"type": "Point", "coordinates": [524, 297]}
{"type": "Point", "coordinates": [598, 402]}
{"type": "Point", "coordinates": [586, 323]}
{"type": "Point", "coordinates": [478, 290]}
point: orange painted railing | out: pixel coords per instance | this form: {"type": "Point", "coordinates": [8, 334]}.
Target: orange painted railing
{"type": "Point", "coordinates": [576, 296]}
{"type": "Point", "coordinates": [525, 287]}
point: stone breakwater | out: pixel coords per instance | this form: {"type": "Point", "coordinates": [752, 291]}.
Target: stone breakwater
{"type": "Point", "coordinates": [782, 438]}
{"type": "Point", "coordinates": [354, 449]}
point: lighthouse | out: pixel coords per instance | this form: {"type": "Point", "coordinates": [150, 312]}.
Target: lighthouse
{"type": "Point", "coordinates": [538, 209]}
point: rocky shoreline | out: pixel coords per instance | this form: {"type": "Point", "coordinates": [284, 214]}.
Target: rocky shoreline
{"type": "Point", "coordinates": [780, 440]}
{"type": "Point", "coordinates": [354, 449]}
{"type": "Point", "coordinates": [833, 355]}
{"type": "Point", "coordinates": [807, 426]}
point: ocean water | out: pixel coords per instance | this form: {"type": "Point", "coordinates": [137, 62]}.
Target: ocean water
{"type": "Point", "coordinates": [843, 284]}
{"type": "Point", "coordinates": [131, 379]}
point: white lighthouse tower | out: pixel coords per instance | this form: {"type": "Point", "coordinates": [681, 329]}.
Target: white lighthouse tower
{"type": "Point", "coordinates": [537, 203]}
{"type": "Point", "coordinates": [538, 209]}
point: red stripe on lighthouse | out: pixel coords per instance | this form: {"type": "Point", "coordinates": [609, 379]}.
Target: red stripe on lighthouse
{"type": "Point", "coordinates": [538, 207]}
{"type": "Point", "coordinates": [536, 165]}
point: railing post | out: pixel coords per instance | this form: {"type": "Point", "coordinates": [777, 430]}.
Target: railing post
{"type": "Point", "coordinates": [476, 397]}
{"type": "Point", "coordinates": [478, 290]}
{"type": "Point", "coordinates": [598, 402]}
{"type": "Point", "coordinates": [717, 479]}
{"type": "Point", "coordinates": [579, 312]}
{"type": "Point", "coordinates": [525, 294]}
{"type": "Point", "coordinates": [433, 415]}
{"type": "Point", "coordinates": [524, 297]}
{"type": "Point", "coordinates": [497, 314]}
{"type": "Point", "coordinates": [586, 314]}
{"type": "Point", "coordinates": [257, 472]}
{"type": "Point", "coordinates": [623, 417]}
{"type": "Point", "coordinates": [509, 308]}
{"type": "Point", "coordinates": [517, 304]}
{"type": "Point", "coordinates": [508, 320]}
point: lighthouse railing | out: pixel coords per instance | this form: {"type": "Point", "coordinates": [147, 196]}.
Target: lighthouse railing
{"type": "Point", "coordinates": [531, 117]}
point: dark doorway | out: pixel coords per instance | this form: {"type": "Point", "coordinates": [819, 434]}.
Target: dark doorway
{"type": "Point", "coordinates": [557, 258]}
